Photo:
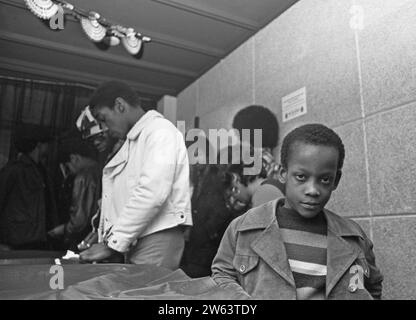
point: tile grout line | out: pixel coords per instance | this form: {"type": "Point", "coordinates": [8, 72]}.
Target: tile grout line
{"type": "Point", "coordinates": [383, 216]}
{"type": "Point", "coordinates": [253, 73]}
{"type": "Point", "coordinates": [367, 166]}
{"type": "Point", "coordinates": [197, 114]}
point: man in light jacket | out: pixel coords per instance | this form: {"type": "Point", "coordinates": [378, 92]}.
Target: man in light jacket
{"type": "Point", "coordinates": [146, 196]}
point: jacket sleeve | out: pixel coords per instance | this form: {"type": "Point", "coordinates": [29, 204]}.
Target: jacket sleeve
{"type": "Point", "coordinates": [83, 204]}
{"type": "Point", "coordinates": [374, 283]}
{"type": "Point", "coordinates": [223, 271]}
{"type": "Point", "coordinates": [151, 190]}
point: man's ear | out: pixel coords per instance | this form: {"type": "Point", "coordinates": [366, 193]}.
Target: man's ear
{"type": "Point", "coordinates": [120, 105]}
{"type": "Point", "coordinates": [282, 174]}
{"type": "Point", "coordinates": [337, 179]}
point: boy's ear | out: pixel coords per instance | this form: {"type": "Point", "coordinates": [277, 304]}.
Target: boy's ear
{"type": "Point", "coordinates": [337, 179]}
{"type": "Point", "coordinates": [282, 174]}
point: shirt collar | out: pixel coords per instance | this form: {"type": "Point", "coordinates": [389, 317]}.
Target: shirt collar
{"type": "Point", "coordinates": [340, 226]}
{"type": "Point", "coordinates": [148, 117]}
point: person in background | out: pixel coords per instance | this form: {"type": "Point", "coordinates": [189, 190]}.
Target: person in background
{"type": "Point", "coordinates": [244, 191]}
{"type": "Point", "coordinates": [27, 207]}
{"type": "Point", "coordinates": [258, 117]}
{"type": "Point", "coordinates": [81, 161]}
{"type": "Point", "coordinates": [294, 248]}
{"type": "Point", "coordinates": [146, 194]}
{"type": "Point", "coordinates": [97, 134]}
{"type": "Point", "coordinates": [210, 216]}
{"type": "Point", "coordinates": [264, 185]}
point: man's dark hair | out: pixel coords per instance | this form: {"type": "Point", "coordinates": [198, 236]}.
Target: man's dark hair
{"type": "Point", "coordinates": [315, 134]}
{"type": "Point", "coordinates": [106, 94]}
{"type": "Point", "coordinates": [28, 136]}
{"type": "Point", "coordinates": [258, 117]}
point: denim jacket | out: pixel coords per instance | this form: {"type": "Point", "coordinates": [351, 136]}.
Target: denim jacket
{"type": "Point", "coordinates": [252, 258]}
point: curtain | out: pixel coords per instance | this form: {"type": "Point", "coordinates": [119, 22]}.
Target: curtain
{"type": "Point", "coordinates": [54, 106]}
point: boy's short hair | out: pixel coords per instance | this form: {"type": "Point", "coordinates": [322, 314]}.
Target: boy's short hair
{"type": "Point", "coordinates": [106, 94]}
{"type": "Point", "coordinates": [315, 134]}
{"type": "Point", "coordinates": [258, 117]}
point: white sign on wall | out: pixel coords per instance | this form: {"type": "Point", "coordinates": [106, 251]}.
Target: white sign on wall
{"type": "Point", "coordinates": [294, 104]}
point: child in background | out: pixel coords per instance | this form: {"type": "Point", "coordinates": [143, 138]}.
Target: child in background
{"type": "Point", "coordinates": [295, 248]}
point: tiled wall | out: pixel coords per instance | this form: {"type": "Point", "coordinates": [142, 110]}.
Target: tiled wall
{"type": "Point", "coordinates": [359, 80]}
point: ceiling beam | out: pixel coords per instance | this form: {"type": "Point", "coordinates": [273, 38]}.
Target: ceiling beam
{"type": "Point", "coordinates": [76, 76]}
{"type": "Point", "coordinates": [217, 15]}
{"type": "Point", "coordinates": [163, 39]}
{"type": "Point", "coordinates": [93, 54]}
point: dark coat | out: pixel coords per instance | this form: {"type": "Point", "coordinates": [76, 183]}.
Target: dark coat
{"type": "Point", "coordinates": [210, 219]}
{"type": "Point", "coordinates": [27, 208]}
{"type": "Point", "coordinates": [84, 204]}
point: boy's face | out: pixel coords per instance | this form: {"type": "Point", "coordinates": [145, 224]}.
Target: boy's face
{"type": "Point", "coordinates": [310, 177]}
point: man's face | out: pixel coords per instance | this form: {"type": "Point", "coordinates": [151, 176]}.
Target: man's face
{"type": "Point", "coordinates": [310, 178]}
{"type": "Point", "coordinates": [113, 119]}
{"type": "Point", "coordinates": [43, 148]}
{"type": "Point", "coordinates": [102, 142]}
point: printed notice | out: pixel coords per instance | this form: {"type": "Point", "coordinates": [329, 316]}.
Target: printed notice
{"type": "Point", "coordinates": [294, 105]}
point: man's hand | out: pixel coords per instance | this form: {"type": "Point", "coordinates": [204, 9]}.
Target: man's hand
{"type": "Point", "coordinates": [97, 252]}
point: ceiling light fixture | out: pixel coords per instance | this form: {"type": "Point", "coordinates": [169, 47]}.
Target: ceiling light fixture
{"type": "Point", "coordinates": [92, 28]}
{"type": "Point", "coordinates": [99, 30]}
{"type": "Point", "coordinates": [44, 9]}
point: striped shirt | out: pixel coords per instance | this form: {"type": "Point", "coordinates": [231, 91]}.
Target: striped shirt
{"type": "Point", "coordinates": [306, 245]}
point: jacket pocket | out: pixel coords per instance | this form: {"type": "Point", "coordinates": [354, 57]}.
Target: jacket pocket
{"type": "Point", "coordinates": [244, 264]}
{"type": "Point", "coordinates": [247, 271]}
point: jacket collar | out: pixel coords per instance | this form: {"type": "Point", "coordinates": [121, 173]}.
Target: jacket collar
{"type": "Point", "coordinates": [340, 254]}
{"type": "Point", "coordinates": [148, 117]}
{"type": "Point", "coordinates": [337, 225]}
{"type": "Point", "coordinates": [120, 158]}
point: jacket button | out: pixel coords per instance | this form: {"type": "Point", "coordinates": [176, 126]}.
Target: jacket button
{"type": "Point", "coordinates": [114, 241]}
{"type": "Point", "coordinates": [242, 268]}
{"type": "Point", "coordinates": [352, 288]}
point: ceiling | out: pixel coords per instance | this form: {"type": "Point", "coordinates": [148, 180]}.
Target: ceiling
{"type": "Point", "coordinates": [188, 38]}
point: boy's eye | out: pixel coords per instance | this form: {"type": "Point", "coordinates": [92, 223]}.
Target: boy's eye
{"type": "Point", "coordinates": [300, 177]}
{"type": "Point", "coordinates": [326, 180]}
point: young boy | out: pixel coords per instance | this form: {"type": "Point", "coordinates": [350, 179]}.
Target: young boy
{"type": "Point", "coordinates": [293, 248]}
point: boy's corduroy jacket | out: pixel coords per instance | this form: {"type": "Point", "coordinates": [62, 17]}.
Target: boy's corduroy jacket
{"type": "Point", "coordinates": [252, 258]}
